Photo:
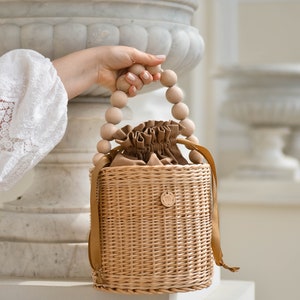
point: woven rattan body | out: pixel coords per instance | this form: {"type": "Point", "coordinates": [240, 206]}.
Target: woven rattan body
{"type": "Point", "coordinates": [142, 246]}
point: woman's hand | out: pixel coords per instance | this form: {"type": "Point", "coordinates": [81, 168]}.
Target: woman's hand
{"type": "Point", "coordinates": [103, 65]}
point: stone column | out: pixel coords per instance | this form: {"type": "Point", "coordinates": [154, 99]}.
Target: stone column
{"type": "Point", "coordinates": [44, 232]}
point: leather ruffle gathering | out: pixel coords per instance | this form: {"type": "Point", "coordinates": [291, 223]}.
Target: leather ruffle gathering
{"type": "Point", "coordinates": [149, 143]}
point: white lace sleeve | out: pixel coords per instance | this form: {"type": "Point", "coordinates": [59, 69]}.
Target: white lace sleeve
{"type": "Point", "coordinates": [33, 112]}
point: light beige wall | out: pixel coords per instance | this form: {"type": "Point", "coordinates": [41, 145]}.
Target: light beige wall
{"type": "Point", "coordinates": [269, 32]}
{"type": "Point", "coordinates": [264, 242]}
{"type": "Point", "coordinates": [262, 239]}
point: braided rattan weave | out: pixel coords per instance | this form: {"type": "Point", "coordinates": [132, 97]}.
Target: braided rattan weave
{"type": "Point", "coordinates": [145, 246]}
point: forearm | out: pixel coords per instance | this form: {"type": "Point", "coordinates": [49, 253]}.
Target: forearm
{"type": "Point", "coordinates": [78, 71]}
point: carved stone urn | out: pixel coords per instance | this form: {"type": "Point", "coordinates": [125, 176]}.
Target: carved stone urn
{"type": "Point", "coordinates": [44, 232]}
{"type": "Point", "coordinates": [267, 100]}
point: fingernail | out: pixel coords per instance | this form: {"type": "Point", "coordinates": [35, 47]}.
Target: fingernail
{"type": "Point", "coordinates": [130, 76]}
{"type": "Point", "coordinates": [161, 56]}
{"type": "Point", "coordinates": [146, 75]}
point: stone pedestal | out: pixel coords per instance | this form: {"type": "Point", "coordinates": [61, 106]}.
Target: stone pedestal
{"type": "Point", "coordinates": [47, 228]}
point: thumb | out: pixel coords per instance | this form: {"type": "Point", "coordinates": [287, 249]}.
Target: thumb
{"type": "Point", "coordinates": [147, 59]}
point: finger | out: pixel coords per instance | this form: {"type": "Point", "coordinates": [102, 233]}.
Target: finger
{"type": "Point", "coordinates": [132, 91]}
{"type": "Point", "coordinates": [139, 70]}
{"type": "Point", "coordinates": [156, 77]}
{"type": "Point", "coordinates": [146, 77]}
{"type": "Point", "coordinates": [134, 80]}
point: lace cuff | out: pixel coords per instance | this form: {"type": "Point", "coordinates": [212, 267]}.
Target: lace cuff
{"type": "Point", "coordinates": [33, 112]}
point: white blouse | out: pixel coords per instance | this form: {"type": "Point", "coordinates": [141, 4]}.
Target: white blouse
{"type": "Point", "coordinates": [33, 112]}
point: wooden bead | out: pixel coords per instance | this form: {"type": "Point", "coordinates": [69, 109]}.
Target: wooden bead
{"type": "Point", "coordinates": [97, 157]}
{"type": "Point", "coordinates": [119, 99]}
{"type": "Point", "coordinates": [107, 131]}
{"type": "Point", "coordinates": [174, 94]}
{"type": "Point", "coordinates": [196, 157]}
{"type": "Point", "coordinates": [193, 139]}
{"type": "Point", "coordinates": [188, 127]}
{"type": "Point", "coordinates": [154, 70]}
{"type": "Point", "coordinates": [103, 146]}
{"type": "Point", "coordinates": [168, 78]}
{"type": "Point", "coordinates": [180, 111]}
{"type": "Point", "coordinates": [137, 69]}
{"type": "Point", "coordinates": [122, 84]}
{"type": "Point", "coordinates": [113, 115]}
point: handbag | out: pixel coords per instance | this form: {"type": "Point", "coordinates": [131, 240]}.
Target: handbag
{"type": "Point", "coordinates": [154, 214]}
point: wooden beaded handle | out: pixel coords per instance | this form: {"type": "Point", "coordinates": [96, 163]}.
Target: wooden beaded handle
{"type": "Point", "coordinates": [119, 100]}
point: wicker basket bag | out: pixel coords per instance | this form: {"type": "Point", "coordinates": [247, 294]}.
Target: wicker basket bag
{"type": "Point", "coordinates": [154, 226]}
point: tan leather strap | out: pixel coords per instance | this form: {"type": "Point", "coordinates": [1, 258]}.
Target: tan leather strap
{"type": "Point", "coordinates": [216, 240]}
{"type": "Point", "coordinates": [94, 238]}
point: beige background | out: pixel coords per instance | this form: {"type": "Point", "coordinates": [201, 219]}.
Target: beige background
{"type": "Point", "coordinates": [269, 32]}
{"type": "Point", "coordinates": [263, 240]}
